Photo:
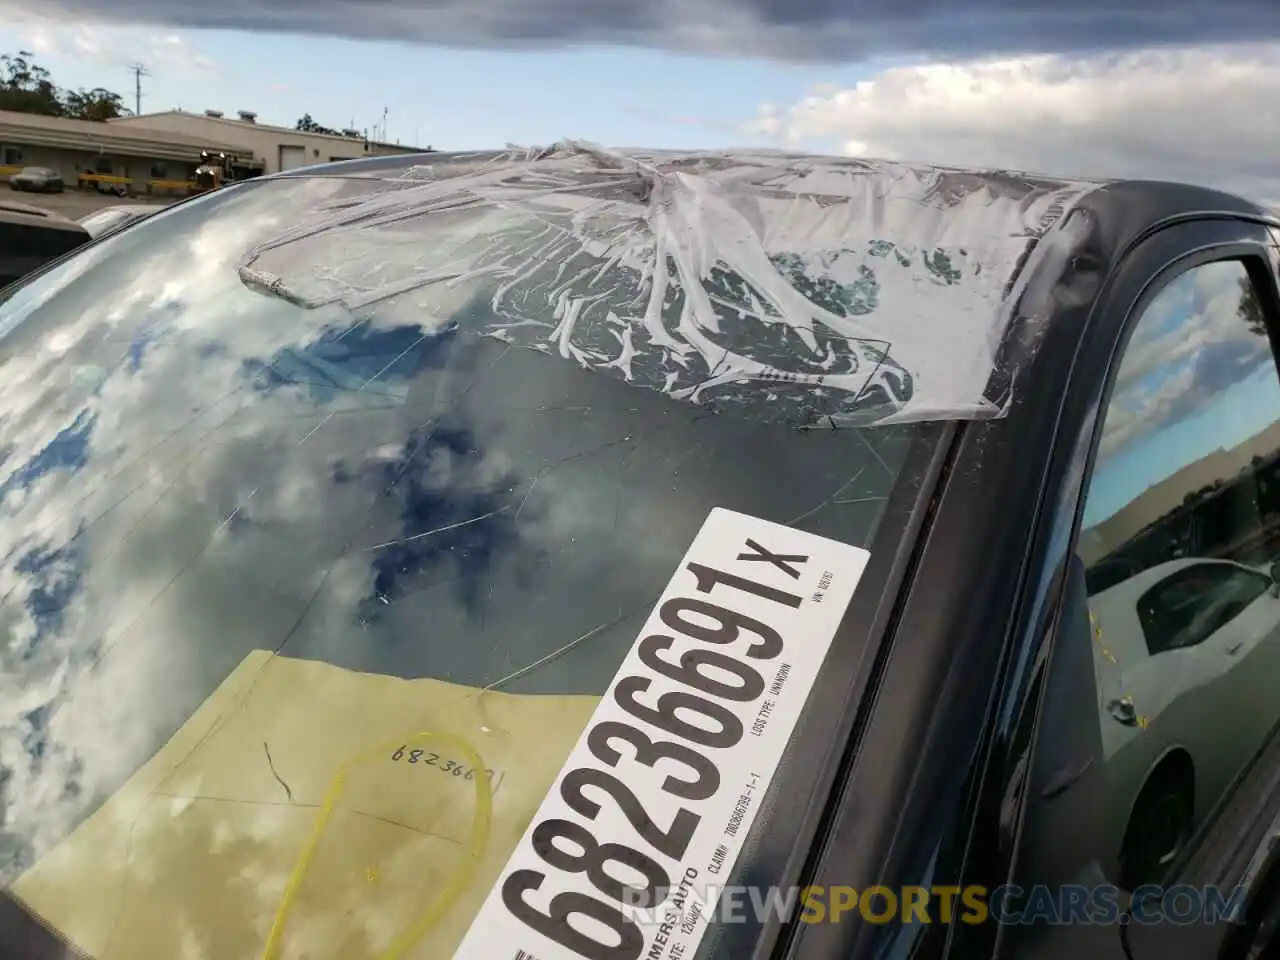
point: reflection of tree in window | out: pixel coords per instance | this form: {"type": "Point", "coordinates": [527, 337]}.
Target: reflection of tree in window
{"type": "Point", "coordinates": [1250, 308]}
{"type": "Point", "coordinates": [1189, 606]}
{"type": "Point", "coordinates": [1265, 472]}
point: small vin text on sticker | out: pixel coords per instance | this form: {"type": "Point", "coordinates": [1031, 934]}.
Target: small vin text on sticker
{"type": "Point", "coordinates": [667, 777]}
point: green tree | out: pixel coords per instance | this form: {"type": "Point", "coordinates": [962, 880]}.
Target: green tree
{"type": "Point", "coordinates": [26, 87]}
{"type": "Point", "coordinates": [96, 104]}
{"type": "Point", "coordinates": [307, 125]}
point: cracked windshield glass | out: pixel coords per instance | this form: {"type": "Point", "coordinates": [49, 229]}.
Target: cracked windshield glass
{"type": "Point", "coordinates": [316, 558]}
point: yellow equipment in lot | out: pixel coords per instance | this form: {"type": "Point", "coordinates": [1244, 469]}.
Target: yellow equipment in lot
{"type": "Point", "coordinates": [163, 185]}
{"type": "Point", "coordinates": [212, 172]}
{"type": "Point", "coordinates": [104, 183]}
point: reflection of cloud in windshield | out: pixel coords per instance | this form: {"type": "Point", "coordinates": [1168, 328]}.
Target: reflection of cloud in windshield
{"type": "Point", "coordinates": [450, 494]}
{"type": "Point", "coordinates": [54, 574]}
{"type": "Point", "coordinates": [68, 450]}
{"type": "Point", "coordinates": [143, 377]}
{"type": "Point", "coordinates": [456, 508]}
{"type": "Point", "coordinates": [1193, 342]}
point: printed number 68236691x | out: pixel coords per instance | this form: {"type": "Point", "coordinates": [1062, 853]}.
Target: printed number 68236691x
{"type": "Point", "coordinates": [713, 681]}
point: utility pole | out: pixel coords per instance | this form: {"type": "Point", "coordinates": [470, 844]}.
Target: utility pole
{"type": "Point", "coordinates": [138, 71]}
{"type": "Point", "coordinates": [384, 124]}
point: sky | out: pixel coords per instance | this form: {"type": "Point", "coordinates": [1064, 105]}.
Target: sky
{"type": "Point", "coordinates": [1131, 88]}
{"type": "Point", "coordinates": [493, 97]}
{"type": "Point", "coordinates": [1125, 88]}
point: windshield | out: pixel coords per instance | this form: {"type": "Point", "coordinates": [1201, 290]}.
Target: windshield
{"type": "Point", "coordinates": [246, 539]}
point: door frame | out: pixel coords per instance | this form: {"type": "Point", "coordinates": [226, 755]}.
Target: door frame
{"type": "Point", "coordinates": [962, 677]}
{"type": "Point", "coordinates": [1145, 272]}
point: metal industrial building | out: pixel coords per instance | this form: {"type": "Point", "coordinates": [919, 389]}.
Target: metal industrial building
{"type": "Point", "coordinates": [88, 153]}
{"type": "Point", "coordinates": [157, 153]}
{"type": "Point", "coordinates": [277, 148]}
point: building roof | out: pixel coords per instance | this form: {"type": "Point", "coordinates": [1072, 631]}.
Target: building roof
{"type": "Point", "coordinates": [255, 125]}
{"type": "Point", "coordinates": [37, 129]}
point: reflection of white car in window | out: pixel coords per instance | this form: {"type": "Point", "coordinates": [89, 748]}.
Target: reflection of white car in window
{"type": "Point", "coordinates": [1187, 661]}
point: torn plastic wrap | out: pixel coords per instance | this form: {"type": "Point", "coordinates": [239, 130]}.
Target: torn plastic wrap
{"type": "Point", "coordinates": [822, 292]}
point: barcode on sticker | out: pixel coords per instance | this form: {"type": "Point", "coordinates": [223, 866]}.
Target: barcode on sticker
{"type": "Point", "coordinates": [521, 955]}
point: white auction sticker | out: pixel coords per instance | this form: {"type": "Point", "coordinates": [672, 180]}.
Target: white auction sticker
{"type": "Point", "coordinates": [663, 785]}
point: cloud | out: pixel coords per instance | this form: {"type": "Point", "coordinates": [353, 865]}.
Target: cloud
{"type": "Point", "coordinates": [833, 30]}
{"type": "Point", "coordinates": [108, 45]}
{"type": "Point", "coordinates": [1189, 350]}
{"type": "Point", "coordinates": [767, 123]}
{"type": "Point", "coordinates": [1192, 114]}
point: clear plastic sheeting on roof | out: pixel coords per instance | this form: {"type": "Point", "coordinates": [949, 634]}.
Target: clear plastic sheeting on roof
{"type": "Point", "coordinates": [821, 291]}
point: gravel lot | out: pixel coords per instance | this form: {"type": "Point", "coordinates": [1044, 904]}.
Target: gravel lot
{"type": "Point", "coordinates": [76, 203]}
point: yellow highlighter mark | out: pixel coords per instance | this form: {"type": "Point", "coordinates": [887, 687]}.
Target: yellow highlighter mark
{"type": "Point", "coordinates": [474, 847]}
{"type": "Point", "coordinates": [1096, 630]}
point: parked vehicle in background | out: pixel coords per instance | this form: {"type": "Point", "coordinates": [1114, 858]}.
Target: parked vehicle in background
{"type": "Point", "coordinates": [109, 219]}
{"type": "Point", "coordinates": [1178, 648]}
{"type": "Point", "coordinates": [37, 180]}
{"type": "Point", "coordinates": [31, 237]}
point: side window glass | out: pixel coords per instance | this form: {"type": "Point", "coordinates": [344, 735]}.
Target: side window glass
{"type": "Point", "coordinates": [1181, 525]}
{"type": "Point", "coordinates": [1192, 603]}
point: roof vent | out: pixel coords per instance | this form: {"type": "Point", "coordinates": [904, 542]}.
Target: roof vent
{"type": "Point", "coordinates": [216, 114]}
{"type": "Point", "coordinates": [248, 116]}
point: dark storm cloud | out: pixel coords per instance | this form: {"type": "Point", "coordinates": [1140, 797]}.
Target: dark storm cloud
{"type": "Point", "coordinates": [838, 30]}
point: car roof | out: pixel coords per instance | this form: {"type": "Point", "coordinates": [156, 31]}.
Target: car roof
{"type": "Point", "coordinates": [132, 209]}
{"type": "Point", "coordinates": [26, 215]}
{"type": "Point", "coordinates": [27, 209]}
{"type": "Point", "coordinates": [1159, 198]}
{"type": "Point", "coordinates": [925, 261]}
{"type": "Point", "coordinates": [985, 234]}
{"type": "Point", "coordinates": [1128, 207]}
